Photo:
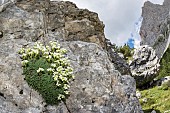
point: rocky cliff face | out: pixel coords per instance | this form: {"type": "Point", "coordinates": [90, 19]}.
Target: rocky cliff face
{"type": "Point", "coordinates": [63, 19]}
{"type": "Point", "coordinates": [155, 27]}
{"type": "Point", "coordinates": [155, 38]}
{"type": "Point", "coordinates": [98, 87]}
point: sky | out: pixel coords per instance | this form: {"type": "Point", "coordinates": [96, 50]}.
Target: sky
{"type": "Point", "coordinates": [122, 18]}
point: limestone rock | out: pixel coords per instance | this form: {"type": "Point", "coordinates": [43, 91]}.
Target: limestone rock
{"type": "Point", "coordinates": [145, 65]}
{"type": "Point", "coordinates": [78, 24]}
{"type": "Point", "coordinates": [63, 21]}
{"type": "Point", "coordinates": [98, 87]}
{"type": "Point", "coordinates": [155, 27]}
{"type": "Point", "coordinates": [57, 17]}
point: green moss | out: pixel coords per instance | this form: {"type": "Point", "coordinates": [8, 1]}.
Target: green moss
{"type": "Point", "coordinates": [156, 98]}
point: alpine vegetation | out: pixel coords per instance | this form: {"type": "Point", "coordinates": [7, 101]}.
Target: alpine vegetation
{"type": "Point", "coordinates": [47, 70]}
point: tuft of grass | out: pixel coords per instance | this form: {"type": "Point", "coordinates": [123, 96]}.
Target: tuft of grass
{"type": "Point", "coordinates": [157, 98]}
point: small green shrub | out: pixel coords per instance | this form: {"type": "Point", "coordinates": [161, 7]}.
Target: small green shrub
{"type": "Point", "coordinates": [126, 51]}
{"type": "Point", "coordinates": [165, 65]}
{"type": "Point", "coordinates": [47, 70]}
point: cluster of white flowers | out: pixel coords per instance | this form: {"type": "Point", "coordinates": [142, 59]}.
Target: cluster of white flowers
{"type": "Point", "coordinates": [59, 68]}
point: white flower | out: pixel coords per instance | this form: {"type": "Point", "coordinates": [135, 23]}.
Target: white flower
{"type": "Point", "coordinates": [40, 70]}
{"type": "Point", "coordinates": [55, 77]}
{"type": "Point", "coordinates": [57, 61]}
{"type": "Point", "coordinates": [70, 73]}
{"type": "Point", "coordinates": [48, 58]}
{"type": "Point", "coordinates": [69, 69]}
{"type": "Point", "coordinates": [34, 52]}
{"type": "Point", "coordinates": [60, 68]}
{"type": "Point", "coordinates": [63, 51]}
{"type": "Point", "coordinates": [21, 51]}
{"type": "Point", "coordinates": [53, 46]}
{"type": "Point", "coordinates": [24, 62]}
{"type": "Point", "coordinates": [44, 49]}
{"type": "Point", "coordinates": [48, 48]}
{"type": "Point", "coordinates": [66, 92]}
{"type": "Point", "coordinates": [59, 65]}
{"type": "Point", "coordinates": [58, 46]}
{"type": "Point", "coordinates": [57, 84]}
{"type": "Point", "coordinates": [53, 43]}
{"type": "Point", "coordinates": [60, 96]}
{"type": "Point", "coordinates": [73, 76]}
{"type": "Point", "coordinates": [28, 50]}
{"type": "Point", "coordinates": [24, 55]}
{"type": "Point", "coordinates": [66, 86]}
{"type": "Point", "coordinates": [46, 53]}
{"type": "Point", "coordinates": [53, 65]}
{"type": "Point", "coordinates": [56, 55]}
{"type": "Point", "coordinates": [30, 53]}
{"type": "Point", "coordinates": [63, 78]}
{"type": "Point", "coordinates": [50, 70]}
{"type": "Point", "coordinates": [38, 46]}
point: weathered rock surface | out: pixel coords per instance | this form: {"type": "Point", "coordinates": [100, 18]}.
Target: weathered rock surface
{"type": "Point", "coordinates": [155, 27]}
{"type": "Point", "coordinates": [145, 65]}
{"type": "Point", "coordinates": [119, 62]}
{"type": "Point", "coordinates": [62, 19]}
{"type": "Point", "coordinates": [98, 87]}
{"type": "Point", "coordinates": [165, 80]}
{"type": "Point", "coordinates": [161, 81]}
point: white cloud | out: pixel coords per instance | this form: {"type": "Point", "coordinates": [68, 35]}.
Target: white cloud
{"type": "Point", "coordinates": [119, 16]}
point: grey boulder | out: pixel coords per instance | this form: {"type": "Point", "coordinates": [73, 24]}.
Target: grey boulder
{"type": "Point", "coordinates": [145, 65]}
